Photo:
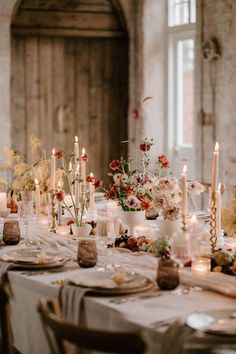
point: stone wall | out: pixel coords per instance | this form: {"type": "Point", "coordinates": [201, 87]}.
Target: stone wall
{"type": "Point", "coordinates": [216, 89]}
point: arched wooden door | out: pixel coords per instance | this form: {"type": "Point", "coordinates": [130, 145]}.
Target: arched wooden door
{"type": "Point", "coordinates": [70, 77]}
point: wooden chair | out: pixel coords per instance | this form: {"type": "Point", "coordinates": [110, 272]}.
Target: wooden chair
{"type": "Point", "coordinates": [83, 338]}
{"type": "Point", "coordinates": [6, 341]}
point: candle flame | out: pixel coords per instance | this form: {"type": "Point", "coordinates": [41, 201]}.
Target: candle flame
{"type": "Point", "coordinates": [59, 184]}
{"type": "Point", "coordinates": [194, 218]}
{"type": "Point", "coordinates": [36, 181]}
{"type": "Point", "coordinates": [53, 151]}
{"type": "Point", "coordinates": [76, 139]}
{"type": "Point", "coordinates": [185, 168]}
{"type": "Point", "coordinates": [91, 174]}
{"type": "Point", "coordinates": [217, 146]}
{"type": "Point", "coordinates": [70, 165]}
{"type": "Point", "coordinates": [219, 187]}
{"type": "Point", "coordinates": [83, 151]}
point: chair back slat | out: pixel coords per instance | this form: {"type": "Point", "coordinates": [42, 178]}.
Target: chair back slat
{"type": "Point", "coordinates": [103, 341]}
{"type": "Point", "coordinates": [6, 339]}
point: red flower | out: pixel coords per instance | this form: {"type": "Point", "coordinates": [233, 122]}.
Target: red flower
{"type": "Point", "coordinates": [146, 204]}
{"type": "Point", "coordinates": [128, 191]}
{"type": "Point", "coordinates": [97, 184]}
{"type": "Point", "coordinates": [135, 114]}
{"type": "Point", "coordinates": [90, 179]}
{"type": "Point", "coordinates": [60, 196]}
{"type": "Point", "coordinates": [59, 154]}
{"type": "Point", "coordinates": [145, 146]}
{"type": "Point", "coordinates": [84, 157]}
{"type": "Point", "coordinates": [114, 165]}
{"type": "Point", "coordinates": [164, 161]}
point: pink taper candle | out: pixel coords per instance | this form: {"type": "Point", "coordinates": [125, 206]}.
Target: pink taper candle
{"type": "Point", "coordinates": [76, 150]}
{"type": "Point", "coordinates": [215, 167]}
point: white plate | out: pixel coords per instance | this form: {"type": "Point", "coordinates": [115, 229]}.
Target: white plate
{"type": "Point", "coordinates": [217, 321]}
{"type": "Point", "coordinates": [103, 282]}
{"type": "Point", "coordinates": [31, 256]}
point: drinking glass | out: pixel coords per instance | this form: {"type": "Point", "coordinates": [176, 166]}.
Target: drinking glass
{"type": "Point", "coordinates": [26, 213]}
{"type": "Point", "coordinates": [87, 252]}
{"type": "Point", "coordinates": [181, 253]}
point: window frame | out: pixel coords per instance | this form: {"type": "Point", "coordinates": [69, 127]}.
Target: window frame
{"type": "Point", "coordinates": [173, 35]}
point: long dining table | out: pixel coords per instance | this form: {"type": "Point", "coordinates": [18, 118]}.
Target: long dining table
{"type": "Point", "coordinates": [152, 316]}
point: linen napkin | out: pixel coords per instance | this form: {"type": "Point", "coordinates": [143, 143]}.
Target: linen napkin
{"type": "Point", "coordinates": [4, 267]}
{"type": "Point", "coordinates": [218, 282]}
{"type": "Point", "coordinates": [71, 300]}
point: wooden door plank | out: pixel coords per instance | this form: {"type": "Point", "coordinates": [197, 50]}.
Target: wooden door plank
{"type": "Point", "coordinates": [96, 107]}
{"type": "Point", "coordinates": [68, 5]}
{"type": "Point", "coordinates": [69, 95]}
{"type": "Point", "coordinates": [31, 90]}
{"type": "Point", "coordinates": [45, 97]}
{"type": "Point", "coordinates": [82, 92]}
{"type": "Point", "coordinates": [18, 123]}
{"type": "Point", "coordinates": [60, 19]}
{"type": "Point", "coordinates": [58, 92]}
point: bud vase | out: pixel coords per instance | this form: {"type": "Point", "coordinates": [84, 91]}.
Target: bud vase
{"type": "Point", "coordinates": [132, 219]}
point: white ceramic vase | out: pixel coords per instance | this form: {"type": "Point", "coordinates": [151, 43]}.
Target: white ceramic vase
{"type": "Point", "coordinates": [168, 227]}
{"type": "Point", "coordinates": [132, 219]}
{"type": "Point", "coordinates": [81, 231]}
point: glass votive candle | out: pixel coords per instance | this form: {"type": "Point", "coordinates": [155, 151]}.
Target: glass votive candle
{"type": "Point", "coordinates": [201, 265]}
{"type": "Point", "coordinates": [87, 252]}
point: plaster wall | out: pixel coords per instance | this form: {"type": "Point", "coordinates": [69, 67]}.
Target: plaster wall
{"type": "Point", "coordinates": [217, 19]}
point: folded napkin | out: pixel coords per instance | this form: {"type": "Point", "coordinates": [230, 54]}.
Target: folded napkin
{"type": "Point", "coordinates": [218, 282]}
{"type": "Point", "coordinates": [4, 267]}
{"type": "Point", "coordinates": [71, 301]}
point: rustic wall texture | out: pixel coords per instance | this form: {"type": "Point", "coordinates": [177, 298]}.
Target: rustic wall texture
{"type": "Point", "coordinates": [215, 81]}
{"type": "Point", "coordinates": [216, 89]}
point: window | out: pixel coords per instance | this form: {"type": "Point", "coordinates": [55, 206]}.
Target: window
{"type": "Point", "coordinates": [181, 18]}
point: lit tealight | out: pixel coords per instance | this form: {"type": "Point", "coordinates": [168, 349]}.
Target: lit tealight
{"type": "Point", "coordinates": [201, 265]}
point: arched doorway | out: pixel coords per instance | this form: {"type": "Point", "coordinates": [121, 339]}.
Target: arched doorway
{"type": "Point", "coordinates": [70, 77]}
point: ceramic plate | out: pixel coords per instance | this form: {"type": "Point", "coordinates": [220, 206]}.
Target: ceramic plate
{"type": "Point", "coordinates": [31, 256]}
{"type": "Point", "coordinates": [217, 321]}
{"type": "Point", "coordinates": [102, 282]}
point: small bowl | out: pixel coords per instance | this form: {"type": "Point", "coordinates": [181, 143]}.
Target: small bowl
{"type": "Point", "coordinates": [4, 213]}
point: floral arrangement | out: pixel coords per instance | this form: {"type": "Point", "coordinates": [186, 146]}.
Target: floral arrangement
{"type": "Point", "coordinates": [68, 177]}
{"type": "Point", "coordinates": [143, 189]}
{"type": "Point", "coordinates": [229, 218]}
{"type": "Point", "coordinates": [224, 261]}
{"type": "Point", "coordinates": [24, 173]}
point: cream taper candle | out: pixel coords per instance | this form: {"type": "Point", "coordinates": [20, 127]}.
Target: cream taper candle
{"type": "Point", "coordinates": [83, 165]}
{"type": "Point", "coordinates": [215, 167]}
{"type": "Point", "coordinates": [218, 208]}
{"type": "Point", "coordinates": [53, 170]}
{"type": "Point", "coordinates": [91, 191]}
{"type": "Point", "coordinates": [184, 191]}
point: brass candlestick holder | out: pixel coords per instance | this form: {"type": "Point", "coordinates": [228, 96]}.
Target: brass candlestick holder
{"type": "Point", "coordinates": [52, 227]}
{"type": "Point", "coordinates": [184, 223]}
{"type": "Point", "coordinates": [213, 232]}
